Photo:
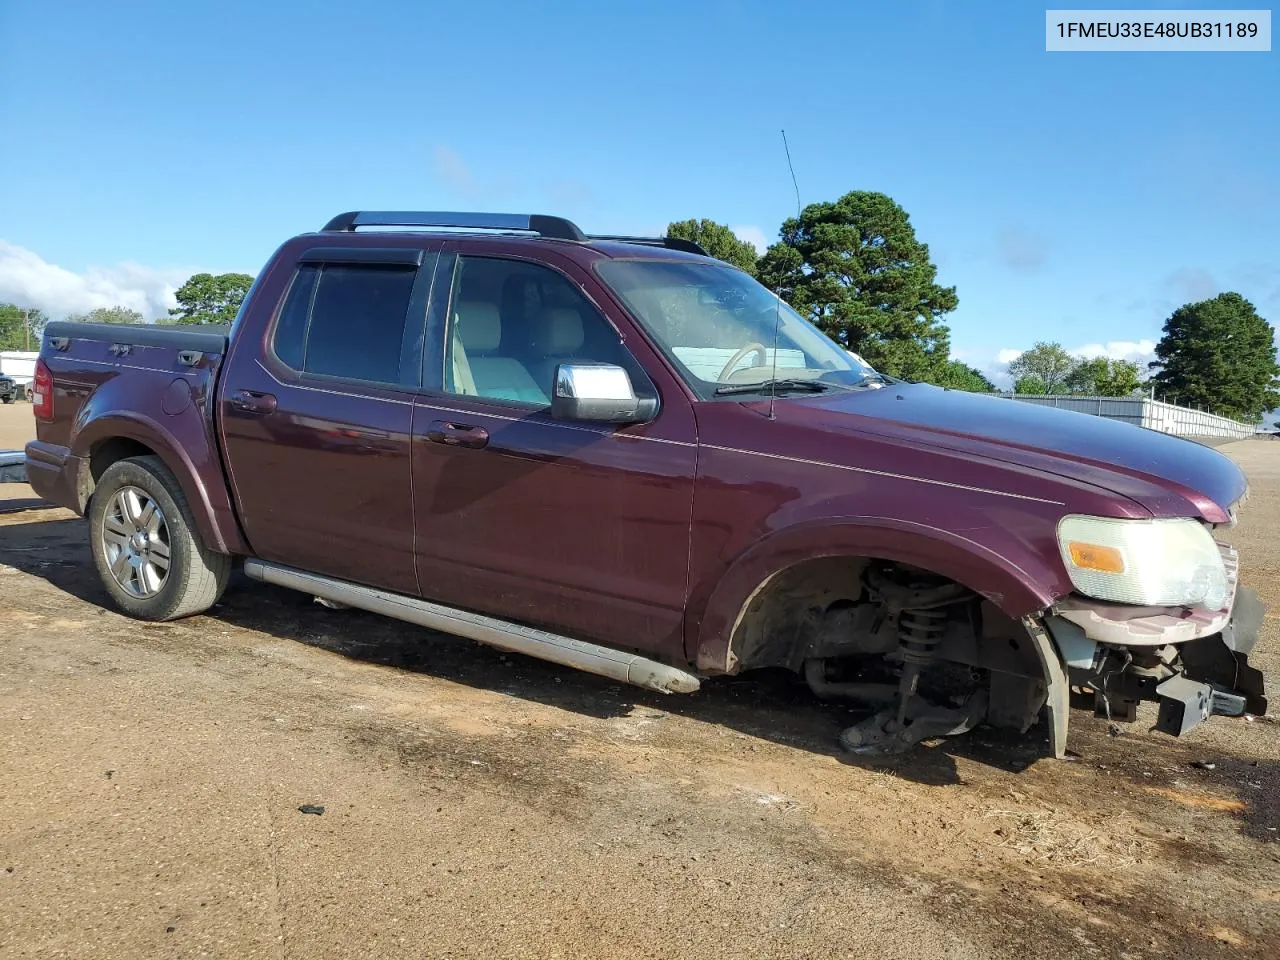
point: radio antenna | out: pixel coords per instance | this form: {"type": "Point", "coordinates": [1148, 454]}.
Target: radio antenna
{"type": "Point", "coordinates": [777, 306]}
{"type": "Point", "coordinates": [792, 168]}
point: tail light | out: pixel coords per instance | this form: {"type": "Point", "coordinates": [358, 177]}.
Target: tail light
{"type": "Point", "coordinates": [42, 392]}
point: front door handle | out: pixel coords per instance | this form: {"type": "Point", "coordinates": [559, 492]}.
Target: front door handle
{"type": "Point", "coordinates": [250, 401]}
{"type": "Point", "coordinates": [457, 434]}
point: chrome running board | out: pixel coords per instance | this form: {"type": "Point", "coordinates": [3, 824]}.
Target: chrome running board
{"type": "Point", "coordinates": [591, 657]}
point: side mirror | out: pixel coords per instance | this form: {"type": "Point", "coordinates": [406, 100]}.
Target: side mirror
{"type": "Point", "coordinates": [597, 393]}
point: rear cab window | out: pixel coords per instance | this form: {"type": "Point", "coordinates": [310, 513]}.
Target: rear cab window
{"type": "Point", "coordinates": [354, 320]}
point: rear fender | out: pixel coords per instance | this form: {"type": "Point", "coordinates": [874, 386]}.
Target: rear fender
{"type": "Point", "coordinates": [1018, 587]}
{"type": "Point", "coordinates": [195, 463]}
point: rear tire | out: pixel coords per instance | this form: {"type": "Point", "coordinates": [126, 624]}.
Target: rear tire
{"type": "Point", "coordinates": [145, 548]}
{"type": "Point", "coordinates": [9, 398]}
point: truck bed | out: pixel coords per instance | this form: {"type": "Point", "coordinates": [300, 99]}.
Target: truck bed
{"type": "Point", "coordinates": [132, 369]}
{"type": "Point", "coordinates": [127, 390]}
{"type": "Point", "coordinates": [175, 338]}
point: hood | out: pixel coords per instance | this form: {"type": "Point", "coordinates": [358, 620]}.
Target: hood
{"type": "Point", "coordinates": [1158, 470]}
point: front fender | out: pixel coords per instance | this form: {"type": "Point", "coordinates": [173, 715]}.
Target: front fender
{"type": "Point", "coordinates": [187, 451]}
{"type": "Point", "coordinates": [1019, 585]}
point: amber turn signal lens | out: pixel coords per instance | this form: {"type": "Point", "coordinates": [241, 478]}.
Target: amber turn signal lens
{"type": "Point", "coordinates": [1091, 556]}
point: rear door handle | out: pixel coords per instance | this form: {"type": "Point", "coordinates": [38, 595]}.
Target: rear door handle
{"type": "Point", "coordinates": [250, 401]}
{"type": "Point", "coordinates": [457, 434]}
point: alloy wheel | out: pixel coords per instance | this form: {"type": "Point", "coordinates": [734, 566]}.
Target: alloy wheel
{"type": "Point", "coordinates": [135, 542]}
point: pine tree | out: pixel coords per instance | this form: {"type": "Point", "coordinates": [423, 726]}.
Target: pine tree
{"type": "Point", "coordinates": [1219, 354]}
{"type": "Point", "coordinates": [857, 270]}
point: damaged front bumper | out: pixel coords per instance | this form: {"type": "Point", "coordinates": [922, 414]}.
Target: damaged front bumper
{"type": "Point", "coordinates": [1194, 666]}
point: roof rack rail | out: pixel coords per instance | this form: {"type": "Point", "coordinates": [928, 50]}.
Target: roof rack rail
{"type": "Point", "coordinates": [671, 243]}
{"type": "Point", "coordinates": [555, 228]}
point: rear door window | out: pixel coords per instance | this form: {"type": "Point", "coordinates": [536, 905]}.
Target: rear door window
{"type": "Point", "coordinates": [291, 329]}
{"type": "Point", "coordinates": [348, 320]}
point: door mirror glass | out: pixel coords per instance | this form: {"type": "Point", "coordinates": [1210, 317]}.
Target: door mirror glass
{"type": "Point", "coordinates": [598, 393]}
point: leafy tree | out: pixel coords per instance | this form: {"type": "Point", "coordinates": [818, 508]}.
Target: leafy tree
{"type": "Point", "coordinates": [960, 376]}
{"type": "Point", "coordinates": [206, 298]}
{"type": "Point", "coordinates": [13, 329]}
{"type": "Point", "coordinates": [1084, 378]}
{"type": "Point", "coordinates": [1219, 354]}
{"type": "Point", "coordinates": [1029, 383]}
{"type": "Point", "coordinates": [109, 315]}
{"type": "Point", "coordinates": [20, 328]}
{"type": "Point", "coordinates": [1101, 377]}
{"type": "Point", "coordinates": [718, 240]}
{"type": "Point", "coordinates": [1122, 380]}
{"type": "Point", "coordinates": [856, 269]}
{"type": "Point", "coordinates": [1048, 363]}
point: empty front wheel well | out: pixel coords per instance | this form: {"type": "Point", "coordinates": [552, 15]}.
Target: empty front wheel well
{"type": "Point", "coordinates": [789, 612]}
{"type": "Point", "coordinates": [902, 640]}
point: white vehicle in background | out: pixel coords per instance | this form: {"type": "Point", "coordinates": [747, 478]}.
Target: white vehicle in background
{"type": "Point", "coordinates": [17, 367]}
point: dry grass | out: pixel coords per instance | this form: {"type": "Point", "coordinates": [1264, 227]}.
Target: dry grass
{"type": "Point", "coordinates": [1045, 835]}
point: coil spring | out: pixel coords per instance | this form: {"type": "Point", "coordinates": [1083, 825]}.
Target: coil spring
{"type": "Point", "coordinates": [920, 634]}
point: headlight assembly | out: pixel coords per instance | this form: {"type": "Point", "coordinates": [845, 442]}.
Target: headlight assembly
{"type": "Point", "coordinates": [1149, 563]}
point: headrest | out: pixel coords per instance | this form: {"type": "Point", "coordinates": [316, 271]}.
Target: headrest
{"type": "Point", "coordinates": [479, 325]}
{"type": "Point", "coordinates": [558, 331]}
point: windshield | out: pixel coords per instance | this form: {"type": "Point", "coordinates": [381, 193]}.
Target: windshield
{"type": "Point", "coordinates": [717, 324]}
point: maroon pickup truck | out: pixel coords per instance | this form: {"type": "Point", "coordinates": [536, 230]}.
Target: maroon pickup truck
{"type": "Point", "coordinates": [627, 457]}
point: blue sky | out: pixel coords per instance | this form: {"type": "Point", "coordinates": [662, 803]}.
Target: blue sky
{"type": "Point", "coordinates": [1074, 197]}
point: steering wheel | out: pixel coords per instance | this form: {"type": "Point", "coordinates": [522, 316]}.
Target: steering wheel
{"type": "Point", "coordinates": [753, 347]}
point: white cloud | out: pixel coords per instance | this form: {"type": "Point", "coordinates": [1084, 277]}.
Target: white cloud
{"type": "Point", "coordinates": [752, 235]}
{"type": "Point", "coordinates": [1136, 350]}
{"type": "Point", "coordinates": [29, 280]}
{"type": "Point", "coordinates": [994, 364]}
{"type": "Point", "coordinates": [1139, 351]}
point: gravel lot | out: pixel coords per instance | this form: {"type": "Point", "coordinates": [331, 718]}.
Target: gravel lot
{"type": "Point", "coordinates": [483, 805]}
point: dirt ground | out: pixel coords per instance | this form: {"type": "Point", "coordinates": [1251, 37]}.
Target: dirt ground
{"type": "Point", "coordinates": [484, 805]}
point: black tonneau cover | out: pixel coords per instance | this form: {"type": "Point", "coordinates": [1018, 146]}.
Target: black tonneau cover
{"type": "Point", "coordinates": [204, 338]}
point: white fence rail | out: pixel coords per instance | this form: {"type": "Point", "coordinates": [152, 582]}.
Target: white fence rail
{"type": "Point", "coordinates": [1153, 414]}
{"type": "Point", "coordinates": [1194, 423]}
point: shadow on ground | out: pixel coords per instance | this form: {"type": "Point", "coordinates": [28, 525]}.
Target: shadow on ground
{"type": "Point", "coordinates": [19, 506]}
{"type": "Point", "coordinates": [772, 705]}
